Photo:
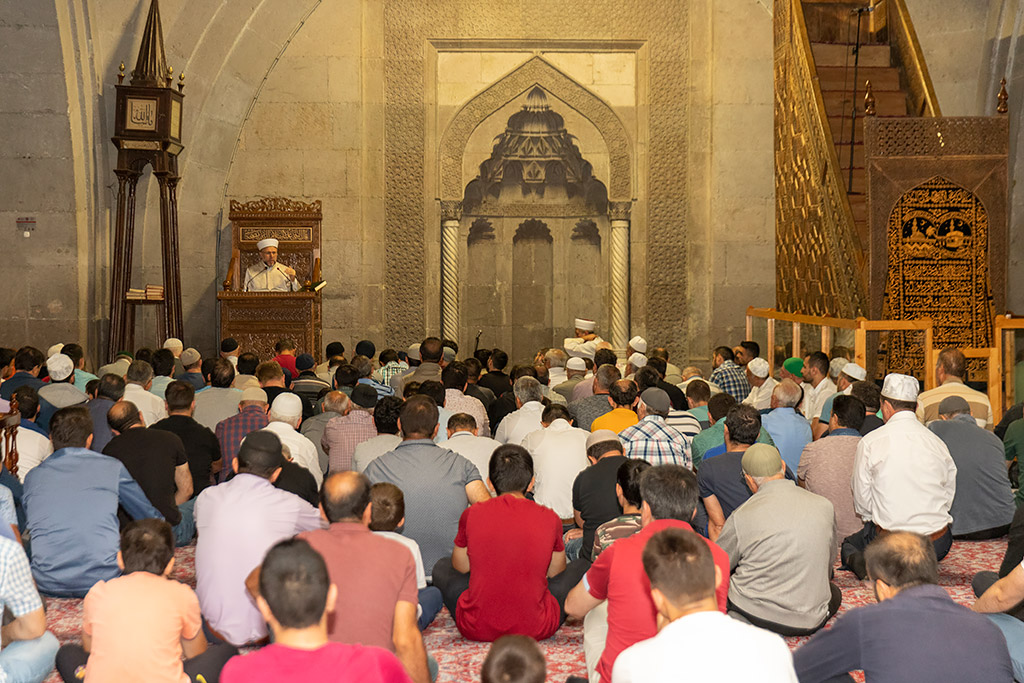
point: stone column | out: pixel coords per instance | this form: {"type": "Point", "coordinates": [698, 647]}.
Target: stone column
{"type": "Point", "coordinates": [451, 214]}
{"type": "Point", "coordinates": [618, 213]}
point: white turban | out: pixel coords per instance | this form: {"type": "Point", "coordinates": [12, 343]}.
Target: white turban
{"type": "Point", "coordinates": [269, 242]}
{"type": "Point", "coordinates": [637, 360]}
{"type": "Point", "coordinates": [584, 324]}
{"type": "Point", "coordinates": [639, 344]}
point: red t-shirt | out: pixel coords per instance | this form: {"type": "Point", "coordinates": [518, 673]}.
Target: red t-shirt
{"type": "Point", "coordinates": [618, 576]}
{"type": "Point", "coordinates": [332, 663]}
{"type": "Point", "coordinates": [510, 541]}
{"type": "Point", "coordinates": [287, 362]}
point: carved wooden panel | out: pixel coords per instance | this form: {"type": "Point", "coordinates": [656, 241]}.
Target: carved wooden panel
{"type": "Point", "coordinates": [259, 320]}
{"type": "Point", "coordinates": [938, 236]}
{"type": "Point", "coordinates": [937, 215]}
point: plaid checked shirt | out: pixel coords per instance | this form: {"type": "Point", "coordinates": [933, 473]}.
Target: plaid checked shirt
{"type": "Point", "coordinates": [732, 379]}
{"type": "Point", "coordinates": [17, 589]}
{"type": "Point", "coordinates": [384, 374]}
{"type": "Point", "coordinates": [651, 439]}
{"type": "Point", "coordinates": [343, 434]}
{"type": "Point", "coordinates": [232, 430]}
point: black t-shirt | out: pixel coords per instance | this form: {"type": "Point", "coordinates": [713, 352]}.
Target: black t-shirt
{"type": "Point", "coordinates": [297, 479]}
{"type": "Point", "coordinates": [675, 395]}
{"type": "Point", "coordinates": [502, 407]}
{"type": "Point", "coordinates": [150, 456]}
{"type": "Point", "coordinates": [721, 476]}
{"type": "Point", "coordinates": [307, 407]}
{"type": "Point", "coordinates": [593, 495]}
{"type": "Point", "coordinates": [201, 447]}
{"type": "Point", "coordinates": [498, 382]}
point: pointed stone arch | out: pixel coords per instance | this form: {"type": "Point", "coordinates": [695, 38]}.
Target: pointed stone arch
{"type": "Point", "coordinates": [534, 72]}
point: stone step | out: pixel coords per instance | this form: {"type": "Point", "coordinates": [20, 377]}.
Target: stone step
{"type": "Point", "coordinates": [887, 103]}
{"type": "Point", "coordinates": [841, 55]}
{"type": "Point", "coordinates": [838, 78]}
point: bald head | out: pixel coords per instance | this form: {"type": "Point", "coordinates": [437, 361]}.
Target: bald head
{"type": "Point", "coordinates": [345, 497]}
{"type": "Point", "coordinates": [901, 560]}
{"type": "Point", "coordinates": [337, 402]}
{"type": "Point", "coordinates": [124, 415]}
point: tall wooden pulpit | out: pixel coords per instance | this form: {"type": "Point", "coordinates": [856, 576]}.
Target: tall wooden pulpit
{"type": "Point", "coordinates": [258, 320]}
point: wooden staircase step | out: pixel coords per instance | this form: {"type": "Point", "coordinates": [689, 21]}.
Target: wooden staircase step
{"type": "Point", "coordinates": [838, 78]}
{"type": "Point", "coordinates": [840, 55]}
{"type": "Point", "coordinates": [887, 103]}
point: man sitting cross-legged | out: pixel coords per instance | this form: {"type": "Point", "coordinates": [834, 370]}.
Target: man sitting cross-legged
{"type": "Point", "coordinates": [295, 597]}
{"type": "Point", "coordinates": [143, 621]}
{"type": "Point", "coordinates": [237, 521]}
{"type": "Point", "coordinates": [669, 494]}
{"type": "Point", "coordinates": [683, 581]}
{"type": "Point", "coordinates": [378, 598]}
{"type": "Point", "coordinates": [915, 634]}
{"type": "Point", "coordinates": [74, 495]}
{"type": "Point", "coordinates": [28, 648]}
{"type": "Point", "coordinates": [507, 572]}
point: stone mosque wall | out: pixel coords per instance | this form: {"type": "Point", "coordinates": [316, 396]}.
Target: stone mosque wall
{"type": "Point", "coordinates": [380, 109]}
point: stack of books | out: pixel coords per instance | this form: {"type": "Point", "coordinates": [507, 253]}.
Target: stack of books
{"type": "Point", "coordinates": [150, 293]}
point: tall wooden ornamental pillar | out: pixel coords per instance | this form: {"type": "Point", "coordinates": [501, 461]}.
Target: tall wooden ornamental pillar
{"type": "Point", "coordinates": [147, 130]}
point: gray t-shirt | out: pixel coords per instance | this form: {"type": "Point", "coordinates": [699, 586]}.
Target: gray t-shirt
{"type": "Point", "coordinates": [983, 499]}
{"type": "Point", "coordinates": [434, 481]}
{"type": "Point", "coordinates": [588, 409]}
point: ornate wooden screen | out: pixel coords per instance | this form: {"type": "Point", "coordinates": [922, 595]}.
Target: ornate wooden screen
{"type": "Point", "coordinates": [937, 198]}
{"type": "Point", "coordinates": [259, 319]}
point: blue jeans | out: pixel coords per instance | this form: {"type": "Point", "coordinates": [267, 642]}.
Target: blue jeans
{"type": "Point", "coordinates": [1013, 631]}
{"type": "Point", "coordinates": [29, 661]}
{"type": "Point", "coordinates": [185, 530]}
{"type": "Point", "coordinates": [430, 603]}
{"type": "Point", "coordinates": [572, 549]}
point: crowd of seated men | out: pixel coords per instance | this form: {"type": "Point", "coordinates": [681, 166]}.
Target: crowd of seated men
{"type": "Point", "coordinates": [335, 508]}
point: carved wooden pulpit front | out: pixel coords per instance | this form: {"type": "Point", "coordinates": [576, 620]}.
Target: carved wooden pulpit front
{"type": "Point", "coordinates": [259, 319]}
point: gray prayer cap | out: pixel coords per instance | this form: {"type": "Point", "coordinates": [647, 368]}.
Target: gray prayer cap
{"type": "Point", "coordinates": [954, 404]}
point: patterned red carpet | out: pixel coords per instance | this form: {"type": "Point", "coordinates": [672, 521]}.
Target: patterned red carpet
{"type": "Point", "coordinates": [460, 659]}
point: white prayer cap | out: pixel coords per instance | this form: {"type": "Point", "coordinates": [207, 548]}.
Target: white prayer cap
{"type": "Point", "coordinates": [59, 367]}
{"type": "Point", "coordinates": [836, 366]}
{"type": "Point", "coordinates": [413, 352]}
{"type": "Point", "coordinates": [758, 367]}
{"type": "Point", "coordinates": [254, 394]}
{"type": "Point", "coordinates": [639, 344]}
{"type": "Point", "coordinates": [584, 324]}
{"type": "Point", "coordinates": [855, 371]}
{"type": "Point", "coordinates": [900, 387]}
{"type": "Point", "coordinates": [174, 344]}
{"type": "Point", "coordinates": [287, 404]}
{"type": "Point", "coordinates": [576, 364]}
{"type": "Point", "coordinates": [56, 348]}
{"type": "Point", "coordinates": [637, 360]}
{"type": "Point", "coordinates": [269, 242]}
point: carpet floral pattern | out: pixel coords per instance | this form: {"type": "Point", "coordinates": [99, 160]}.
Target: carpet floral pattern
{"type": "Point", "coordinates": [460, 659]}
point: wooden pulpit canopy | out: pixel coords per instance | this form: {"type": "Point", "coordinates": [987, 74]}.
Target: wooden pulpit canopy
{"type": "Point", "coordinates": [257, 320]}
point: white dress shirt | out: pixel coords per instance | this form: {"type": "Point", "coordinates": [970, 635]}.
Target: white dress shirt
{"type": "Point", "coordinates": [556, 376]}
{"type": "Point", "coordinates": [514, 428]}
{"type": "Point", "coordinates": [705, 645]}
{"type": "Point", "coordinates": [761, 397]}
{"type": "Point", "coordinates": [302, 449]}
{"type": "Point", "coordinates": [33, 448]}
{"type": "Point", "coordinates": [815, 397]}
{"type": "Point", "coordinates": [151, 406]}
{"type": "Point", "coordinates": [903, 477]}
{"type": "Point", "coordinates": [575, 346]}
{"type": "Point", "coordinates": [559, 454]}
{"type": "Point", "coordinates": [259, 278]}
{"type": "Point", "coordinates": [476, 449]}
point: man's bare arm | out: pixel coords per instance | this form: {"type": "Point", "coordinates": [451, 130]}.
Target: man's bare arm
{"type": "Point", "coordinates": [460, 559]}
{"type": "Point", "coordinates": [409, 642]}
{"type": "Point", "coordinates": [476, 492]}
{"type": "Point", "coordinates": [580, 601]}
{"type": "Point", "coordinates": [26, 627]}
{"type": "Point", "coordinates": [1004, 594]}
{"type": "Point", "coordinates": [557, 565]}
{"type": "Point", "coordinates": [182, 484]}
{"type": "Point", "coordinates": [716, 517]}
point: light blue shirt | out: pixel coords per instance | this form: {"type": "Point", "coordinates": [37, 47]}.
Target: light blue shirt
{"type": "Point", "coordinates": [71, 501]}
{"type": "Point", "coordinates": [789, 431]}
